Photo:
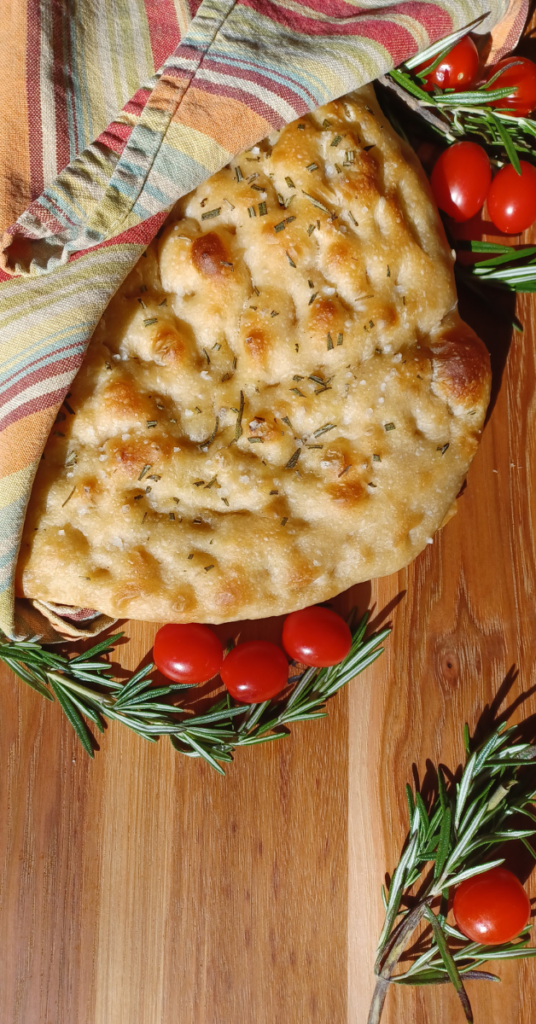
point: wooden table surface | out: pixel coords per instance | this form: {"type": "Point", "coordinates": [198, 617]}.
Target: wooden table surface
{"type": "Point", "coordinates": [142, 888]}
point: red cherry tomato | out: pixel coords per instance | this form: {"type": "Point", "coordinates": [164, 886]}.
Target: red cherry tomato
{"type": "Point", "coordinates": [457, 70]}
{"type": "Point", "coordinates": [316, 636]}
{"type": "Point", "coordinates": [512, 198]}
{"type": "Point", "coordinates": [255, 671]}
{"type": "Point", "coordinates": [460, 180]}
{"type": "Point", "coordinates": [187, 654]}
{"type": "Point", "coordinates": [491, 908]}
{"type": "Point", "coordinates": [521, 73]}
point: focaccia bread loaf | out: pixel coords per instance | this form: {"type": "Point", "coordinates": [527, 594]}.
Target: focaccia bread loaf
{"type": "Point", "coordinates": [280, 401]}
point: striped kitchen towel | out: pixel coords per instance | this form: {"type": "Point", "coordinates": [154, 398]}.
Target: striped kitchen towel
{"type": "Point", "coordinates": [95, 186]}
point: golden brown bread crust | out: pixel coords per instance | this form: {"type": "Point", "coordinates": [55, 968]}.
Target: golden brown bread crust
{"type": "Point", "coordinates": [460, 365]}
{"type": "Point", "coordinates": [280, 401]}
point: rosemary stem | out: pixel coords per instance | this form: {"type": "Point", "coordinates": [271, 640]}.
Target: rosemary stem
{"type": "Point", "coordinates": [378, 999]}
{"type": "Point", "coordinates": [70, 684]}
{"type": "Point", "coordinates": [405, 929]}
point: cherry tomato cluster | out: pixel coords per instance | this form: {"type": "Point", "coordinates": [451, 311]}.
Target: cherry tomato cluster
{"type": "Point", "coordinates": [461, 178]}
{"type": "Point", "coordinates": [257, 670]}
{"type": "Point", "coordinates": [461, 182]}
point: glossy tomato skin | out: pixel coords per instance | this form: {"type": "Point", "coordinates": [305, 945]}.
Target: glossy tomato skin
{"type": "Point", "coordinates": [187, 653]}
{"type": "Point", "coordinates": [457, 70]}
{"type": "Point", "coordinates": [316, 636]}
{"type": "Point", "coordinates": [461, 179]}
{"type": "Point", "coordinates": [491, 908]}
{"type": "Point", "coordinates": [521, 73]}
{"type": "Point", "coordinates": [512, 198]}
{"type": "Point", "coordinates": [255, 671]}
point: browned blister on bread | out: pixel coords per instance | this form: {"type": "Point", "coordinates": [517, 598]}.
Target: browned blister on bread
{"type": "Point", "coordinates": [461, 364]}
{"type": "Point", "coordinates": [280, 401]}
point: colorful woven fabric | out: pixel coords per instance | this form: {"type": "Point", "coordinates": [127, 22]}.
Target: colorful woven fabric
{"type": "Point", "coordinates": [240, 69]}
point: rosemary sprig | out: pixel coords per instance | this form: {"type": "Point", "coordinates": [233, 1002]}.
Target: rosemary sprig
{"type": "Point", "coordinates": [451, 116]}
{"type": "Point", "coordinates": [83, 687]}
{"type": "Point", "coordinates": [85, 690]}
{"type": "Point", "coordinates": [451, 839]}
{"type": "Point", "coordinates": [455, 115]}
{"type": "Point", "coordinates": [508, 268]}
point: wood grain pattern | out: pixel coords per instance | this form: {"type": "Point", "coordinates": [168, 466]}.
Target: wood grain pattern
{"type": "Point", "coordinates": [462, 649]}
{"type": "Point", "coordinates": [144, 889]}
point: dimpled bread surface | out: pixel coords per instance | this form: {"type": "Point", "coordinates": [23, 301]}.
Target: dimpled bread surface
{"type": "Point", "coordinates": [280, 401]}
